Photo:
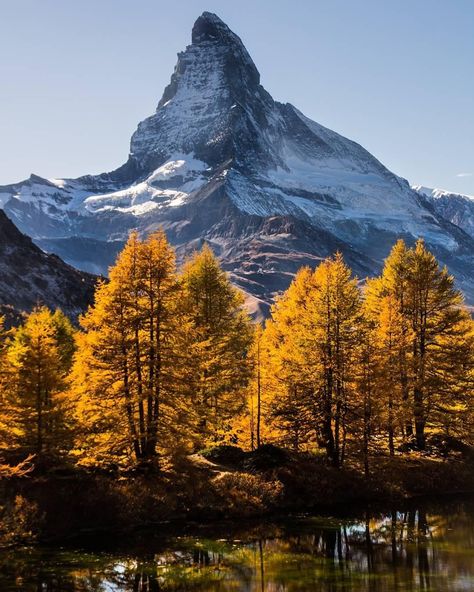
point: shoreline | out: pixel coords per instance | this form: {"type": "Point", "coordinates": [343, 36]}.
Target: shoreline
{"type": "Point", "coordinates": [201, 495]}
{"type": "Point", "coordinates": [190, 527]}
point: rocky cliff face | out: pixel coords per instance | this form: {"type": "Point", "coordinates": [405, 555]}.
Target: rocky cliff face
{"type": "Point", "coordinates": [30, 277]}
{"type": "Point", "coordinates": [220, 161]}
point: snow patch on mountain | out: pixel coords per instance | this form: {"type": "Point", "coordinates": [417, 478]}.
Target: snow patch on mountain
{"type": "Point", "coordinates": [183, 171]}
{"type": "Point", "coordinates": [440, 193]}
{"type": "Point", "coordinates": [220, 161]}
{"type": "Point", "coordinates": [458, 208]}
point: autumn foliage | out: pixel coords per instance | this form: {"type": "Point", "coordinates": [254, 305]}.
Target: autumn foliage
{"type": "Point", "coordinates": [168, 362]}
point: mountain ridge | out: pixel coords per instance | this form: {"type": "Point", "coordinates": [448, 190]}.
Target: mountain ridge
{"type": "Point", "coordinates": [220, 161]}
{"type": "Point", "coordinates": [31, 277]}
{"type": "Point", "coordinates": [458, 208]}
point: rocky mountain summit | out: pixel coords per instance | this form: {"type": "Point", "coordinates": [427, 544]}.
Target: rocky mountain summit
{"type": "Point", "coordinates": [221, 161]}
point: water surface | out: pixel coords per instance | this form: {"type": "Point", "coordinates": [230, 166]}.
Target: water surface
{"type": "Point", "coordinates": [427, 547]}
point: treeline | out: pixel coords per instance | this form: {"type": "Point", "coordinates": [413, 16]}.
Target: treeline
{"type": "Point", "coordinates": [388, 362]}
{"type": "Point", "coordinates": [168, 362]}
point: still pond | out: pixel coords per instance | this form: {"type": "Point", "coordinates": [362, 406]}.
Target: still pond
{"type": "Point", "coordinates": [429, 546]}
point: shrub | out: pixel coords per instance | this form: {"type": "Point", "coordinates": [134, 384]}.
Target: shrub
{"type": "Point", "coordinates": [247, 492]}
{"type": "Point", "coordinates": [20, 521]}
{"type": "Point", "coordinates": [266, 457]}
{"type": "Point", "coordinates": [225, 455]}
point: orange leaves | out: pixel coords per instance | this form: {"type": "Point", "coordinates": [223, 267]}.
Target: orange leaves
{"type": "Point", "coordinates": [162, 359]}
{"type": "Point", "coordinates": [169, 361]}
{"type": "Point", "coordinates": [39, 357]}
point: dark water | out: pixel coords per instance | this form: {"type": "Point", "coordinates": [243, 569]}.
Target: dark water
{"type": "Point", "coordinates": [426, 547]}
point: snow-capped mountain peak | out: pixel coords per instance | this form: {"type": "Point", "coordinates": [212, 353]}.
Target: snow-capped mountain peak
{"type": "Point", "coordinates": [221, 161]}
{"type": "Point", "coordinates": [214, 86]}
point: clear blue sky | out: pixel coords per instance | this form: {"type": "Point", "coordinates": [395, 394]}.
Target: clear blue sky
{"type": "Point", "coordinates": [395, 75]}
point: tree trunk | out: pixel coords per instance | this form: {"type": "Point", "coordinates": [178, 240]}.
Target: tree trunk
{"type": "Point", "coordinates": [337, 433]}
{"type": "Point", "coordinates": [327, 429]}
{"type": "Point", "coordinates": [391, 445]}
{"type": "Point", "coordinates": [141, 412]}
{"type": "Point", "coordinates": [127, 395]}
{"type": "Point", "coordinates": [258, 396]}
{"type": "Point", "coordinates": [419, 419]}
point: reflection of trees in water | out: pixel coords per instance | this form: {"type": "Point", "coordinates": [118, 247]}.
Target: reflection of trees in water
{"type": "Point", "coordinates": [397, 544]}
{"type": "Point", "coordinates": [409, 550]}
{"type": "Point", "coordinates": [378, 553]}
{"type": "Point", "coordinates": [145, 580]}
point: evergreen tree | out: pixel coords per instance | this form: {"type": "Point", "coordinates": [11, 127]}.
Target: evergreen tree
{"type": "Point", "coordinates": [291, 408]}
{"type": "Point", "coordinates": [128, 372]}
{"type": "Point", "coordinates": [393, 340]}
{"type": "Point", "coordinates": [394, 284]}
{"type": "Point", "coordinates": [367, 387]}
{"type": "Point", "coordinates": [315, 332]}
{"type": "Point", "coordinates": [39, 355]}
{"type": "Point", "coordinates": [429, 329]}
{"type": "Point", "coordinates": [436, 316]}
{"type": "Point", "coordinates": [222, 335]}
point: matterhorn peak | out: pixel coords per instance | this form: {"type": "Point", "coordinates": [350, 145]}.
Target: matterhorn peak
{"type": "Point", "coordinates": [209, 27]}
{"type": "Point", "coordinates": [209, 30]}
{"type": "Point", "coordinates": [214, 89]}
{"type": "Point", "coordinates": [269, 189]}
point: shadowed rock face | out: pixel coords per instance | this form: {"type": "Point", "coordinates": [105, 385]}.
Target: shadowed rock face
{"type": "Point", "coordinates": [30, 277]}
{"type": "Point", "coordinates": [220, 161]}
